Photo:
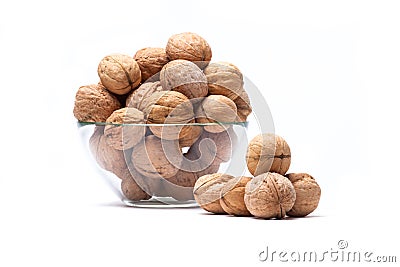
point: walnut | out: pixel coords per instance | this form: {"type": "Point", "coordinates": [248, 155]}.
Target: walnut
{"type": "Point", "coordinates": [268, 153]}
{"type": "Point", "coordinates": [119, 73]}
{"type": "Point", "coordinates": [232, 196]}
{"type": "Point", "coordinates": [269, 195]}
{"type": "Point", "coordinates": [213, 147]}
{"type": "Point", "coordinates": [169, 107]}
{"type": "Point", "coordinates": [107, 157]}
{"type": "Point", "coordinates": [189, 139]}
{"type": "Point", "coordinates": [156, 158]}
{"type": "Point", "coordinates": [189, 46]}
{"type": "Point", "coordinates": [93, 103]}
{"type": "Point", "coordinates": [216, 108]}
{"type": "Point", "coordinates": [151, 60]}
{"type": "Point", "coordinates": [243, 105]}
{"type": "Point", "coordinates": [207, 191]}
{"type": "Point", "coordinates": [308, 194]}
{"type": "Point", "coordinates": [140, 97]}
{"type": "Point", "coordinates": [224, 79]}
{"type": "Point", "coordinates": [131, 189]}
{"type": "Point", "coordinates": [185, 77]}
{"type": "Point", "coordinates": [125, 136]}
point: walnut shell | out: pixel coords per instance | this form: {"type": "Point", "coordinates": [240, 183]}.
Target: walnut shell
{"type": "Point", "coordinates": [140, 97]}
{"type": "Point", "coordinates": [189, 46]}
{"type": "Point", "coordinates": [131, 189]}
{"type": "Point", "coordinates": [192, 136]}
{"type": "Point", "coordinates": [125, 136]}
{"type": "Point", "coordinates": [207, 191]}
{"type": "Point", "coordinates": [119, 73]}
{"type": "Point", "coordinates": [232, 196]}
{"type": "Point", "coordinates": [224, 79]}
{"type": "Point", "coordinates": [308, 194]}
{"type": "Point", "coordinates": [156, 158]}
{"type": "Point", "coordinates": [107, 157]}
{"type": "Point", "coordinates": [243, 105]}
{"type": "Point", "coordinates": [169, 107]}
{"type": "Point", "coordinates": [150, 61]}
{"type": "Point", "coordinates": [268, 153]}
{"type": "Point", "coordinates": [216, 108]}
{"type": "Point", "coordinates": [269, 195]}
{"type": "Point", "coordinates": [93, 103]}
{"type": "Point", "coordinates": [185, 77]}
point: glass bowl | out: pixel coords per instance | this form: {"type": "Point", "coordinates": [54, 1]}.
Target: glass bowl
{"type": "Point", "coordinates": [154, 165]}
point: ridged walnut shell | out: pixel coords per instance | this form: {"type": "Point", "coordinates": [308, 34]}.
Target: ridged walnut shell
{"type": "Point", "coordinates": [308, 194]}
{"type": "Point", "coordinates": [216, 108]}
{"type": "Point", "coordinates": [150, 61]}
{"type": "Point", "coordinates": [189, 46]}
{"type": "Point", "coordinates": [93, 103]}
{"type": "Point", "coordinates": [268, 153]}
{"type": "Point", "coordinates": [269, 195]}
{"type": "Point", "coordinates": [207, 191]}
{"type": "Point", "coordinates": [119, 73]}
{"type": "Point", "coordinates": [125, 136]}
{"type": "Point", "coordinates": [225, 79]}
{"type": "Point", "coordinates": [170, 107]}
{"type": "Point", "coordinates": [232, 196]}
{"type": "Point", "coordinates": [243, 105]}
{"type": "Point", "coordinates": [140, 97]}
{"type": "Point", "coordinates": [156, 158]}
{"type": "Point", "coordinates": [185, 77]}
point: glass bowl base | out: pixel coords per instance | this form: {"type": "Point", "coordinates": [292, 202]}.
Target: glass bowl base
{"type": "Point", "coordinates": [161, 202]}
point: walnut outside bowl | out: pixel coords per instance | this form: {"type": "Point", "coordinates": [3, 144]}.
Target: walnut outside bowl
{"type": "Point", "coordinates": [157, 165]}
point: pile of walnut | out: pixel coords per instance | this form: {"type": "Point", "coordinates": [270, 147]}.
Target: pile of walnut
{"type": "Point", "coordinates": [157, 86]}
{"type": "Point", "coordinates": [270, 194]}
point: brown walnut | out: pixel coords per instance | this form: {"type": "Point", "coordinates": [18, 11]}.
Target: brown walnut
{"type": "Point", "coordinates": [192, 136]}
{"type": "Point", "coordinates": [119, 73]}
{"type": "Point", "coordinates": [224, 79]}
{"type": "Point", "coordinates": [93, 103]}
{"type": "Point", "coordinates": [185, 77]}
{"type": "Point", "coordinates": [150, 61]}
{"type": "Point", "coordinates": [125, 136]}
{"type": "Point", "coordinates": [268, 153]}
{"type": "Point", "coordinates": [170, 107]}
{"type": "Point", "coordinates": [243, 105]}
{"type": "Point", "coordinates": [139, 98]}
{"type": "Point", "coordinates": [216, 108]}
{"type": "Point", "coordinates": [269, 195]}
{"type": "Point", "coordinates": [189, 46]}
{"type": "Point", "coordinates": [207, 191]}
{"type": "Point", "coordinates": [232, 196]}
{"type": "Point", "coordinates": [308, 194]}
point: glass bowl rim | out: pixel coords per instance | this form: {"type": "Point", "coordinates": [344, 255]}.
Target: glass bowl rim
{"type": "Point", "coordinates": [84, 123]}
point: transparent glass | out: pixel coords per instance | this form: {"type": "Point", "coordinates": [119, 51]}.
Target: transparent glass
{"type": "Point", "coordinates": [156, 165]}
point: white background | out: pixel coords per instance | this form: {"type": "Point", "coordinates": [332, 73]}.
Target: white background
{"type": "Point", "coordinates": [329, 71]}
